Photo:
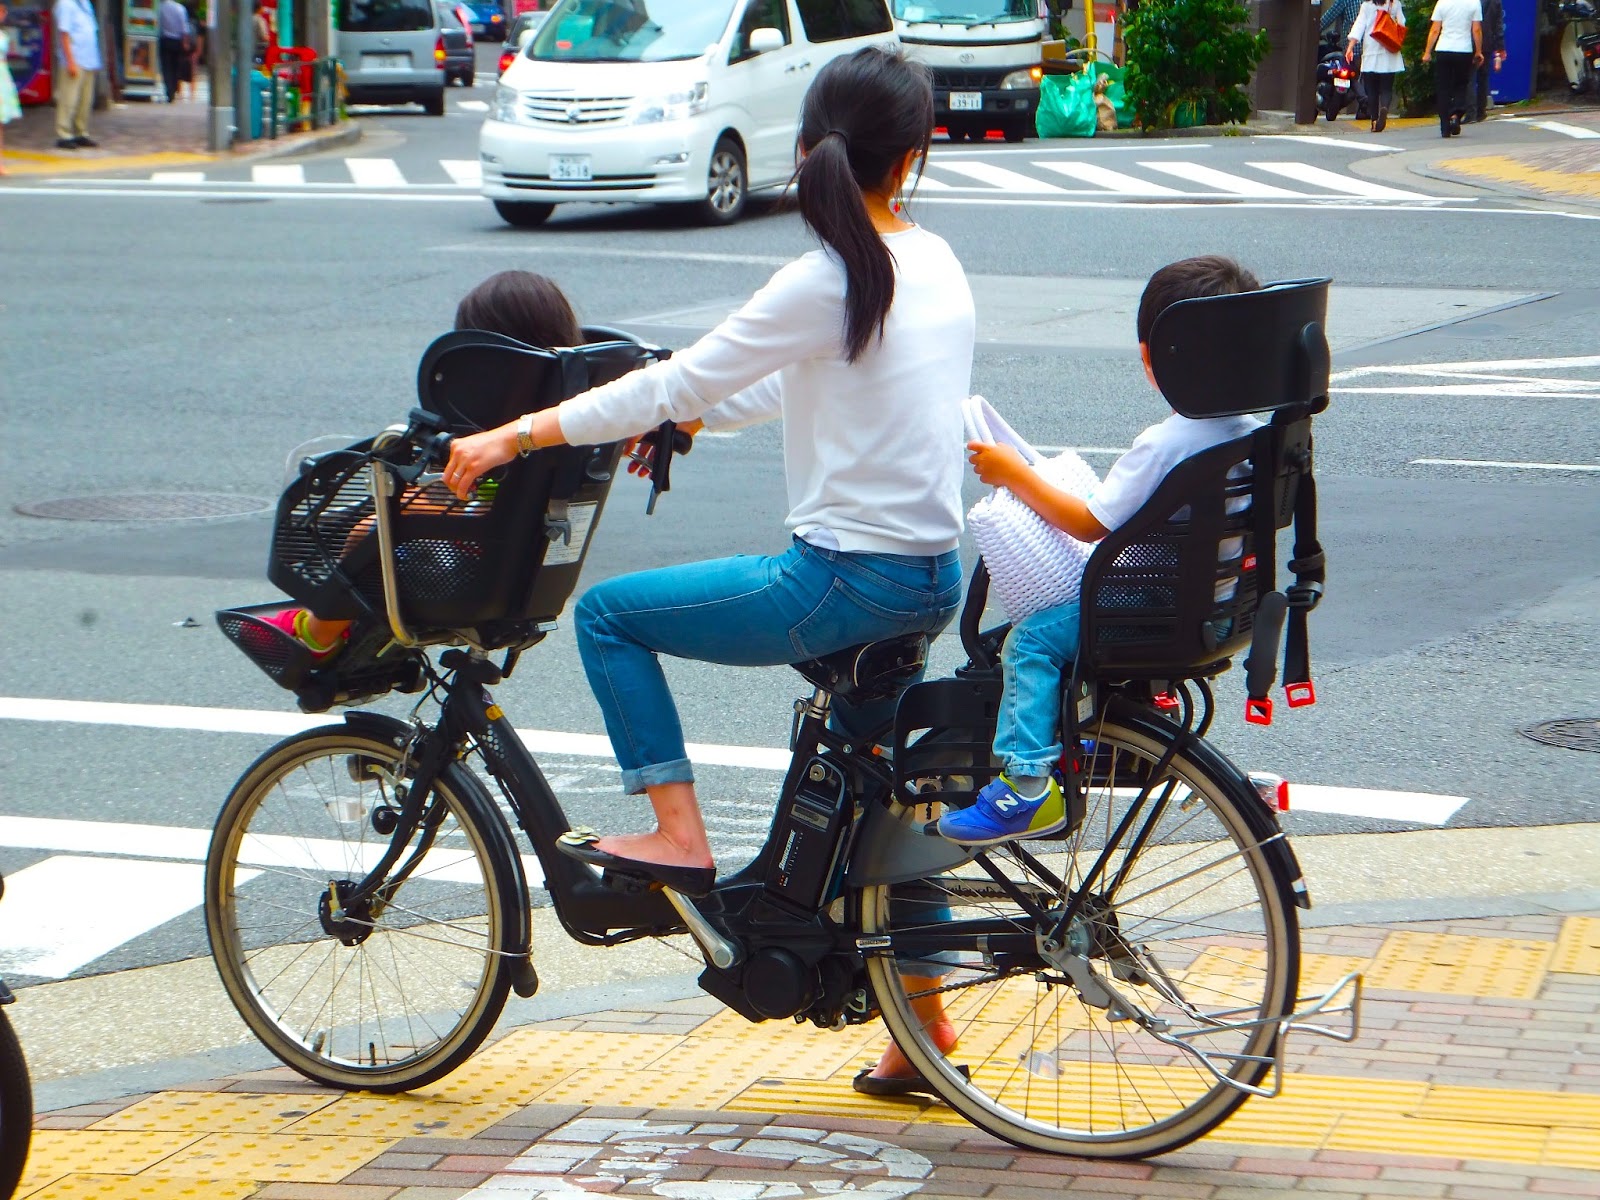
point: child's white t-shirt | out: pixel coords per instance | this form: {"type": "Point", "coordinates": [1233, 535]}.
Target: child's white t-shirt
{"type": "Point", "coordinates": [1135, 476]}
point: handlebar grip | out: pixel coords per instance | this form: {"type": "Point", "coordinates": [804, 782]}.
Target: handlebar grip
{"type": "Point", "coordinates": [665, 440]}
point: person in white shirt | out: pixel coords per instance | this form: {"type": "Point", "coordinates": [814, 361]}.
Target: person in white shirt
{"type": "Point", "coordinates": [78, 36]}
{"type": "Point", "coordinates": [1455, 47]}
{"type": "Point", "coordinates": [1026, 800]}
{"type": "Point", "coordinates": [863, 349]}
{"type": "Point", "coordinates": [1379, 64]}
{"type": "Point", "coordinates": [172, 26]}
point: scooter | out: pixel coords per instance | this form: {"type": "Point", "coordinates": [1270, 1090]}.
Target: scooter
{"type": "Point", "coordinates": [1336, 82]}
{"type": "Point", "coordinates": [1580, 44]}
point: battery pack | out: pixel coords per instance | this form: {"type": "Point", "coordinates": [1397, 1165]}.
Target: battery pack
{"type": "Point", "coordinates": [809, 836]}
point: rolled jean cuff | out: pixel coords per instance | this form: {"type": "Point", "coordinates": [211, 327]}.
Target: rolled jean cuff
{"type": "Point", "coordinates": [678, 770]}
{"type": "Point", "coordinates": [1016, 768]}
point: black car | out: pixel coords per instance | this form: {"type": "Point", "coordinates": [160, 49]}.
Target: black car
{"type": "Point", "coordinates": [460, 63]}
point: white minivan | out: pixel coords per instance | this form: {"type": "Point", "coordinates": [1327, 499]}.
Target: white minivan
{"type": "Point", "coordinates": [686, 101]}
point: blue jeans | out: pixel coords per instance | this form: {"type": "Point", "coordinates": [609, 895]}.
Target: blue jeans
{"type": "Point", "coordinates": [752, 611]}
{"type": "Point", "coordinates": [1027, 737]}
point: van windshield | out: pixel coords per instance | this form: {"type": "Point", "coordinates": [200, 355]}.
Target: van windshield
{"type": "Point", "coordinates": [966, 12]}
{"type": "Point", "coordinates": [630, 30]}
{"type": "Point", "coordinates": [384, 16]}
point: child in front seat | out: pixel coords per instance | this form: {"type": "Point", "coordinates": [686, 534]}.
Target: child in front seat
{"type": "Point", "coordinates": [1026, 800]}
{"type": "Point", "coordinates": [518, 304]}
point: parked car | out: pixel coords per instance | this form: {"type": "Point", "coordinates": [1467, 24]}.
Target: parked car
{"type": "Point", "coordinates": [460, 60]}
{"type": "Point", "coordinates": [518, 33]}
{"type": "Point", "coordinates": [393, 52]}
{"type": "Point", "coordinates": [487, 19]}
{"type": "Point", "coordinates": [699, 104]}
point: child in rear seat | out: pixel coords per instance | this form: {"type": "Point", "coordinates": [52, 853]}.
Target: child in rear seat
{"type": "Point", "coordinates": [518, 304]}
{"type": "Point", "coordinates": [1026, 800]}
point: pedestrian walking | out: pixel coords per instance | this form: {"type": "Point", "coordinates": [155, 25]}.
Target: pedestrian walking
{"type": "Point", "coordinates": [1455, 47]}
{"type": "Point", "coordinates": [10, 109]}
{"type": "Point", "coordinates": [172, 28]}
{"type": "Point", "coordinates": [1379, 64]}
{"type": "Point", "coordinates": [78, 42]}
{"type": "Point", "coordinates": [261, 24]}
{"type": "Point", "coordinates": [1494, 56]}
{"type": "Point", "coordinates": [197, 51]}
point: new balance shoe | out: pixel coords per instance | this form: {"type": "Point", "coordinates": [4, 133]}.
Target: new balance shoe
{"type": "Point", "coordinates": [1000, 814]}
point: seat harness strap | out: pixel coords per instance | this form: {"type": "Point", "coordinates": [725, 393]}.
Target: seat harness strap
{"type": "Point", "coordinates": [1310, 567]}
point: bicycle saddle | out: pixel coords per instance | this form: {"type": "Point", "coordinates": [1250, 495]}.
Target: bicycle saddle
{"type": "Point", "coordinates": [874, 671]}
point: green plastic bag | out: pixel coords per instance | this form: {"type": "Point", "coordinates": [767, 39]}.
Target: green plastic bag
{"type": "Point", "coordinates": [1066, 106]}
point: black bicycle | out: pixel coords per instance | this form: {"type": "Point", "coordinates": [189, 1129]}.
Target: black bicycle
{"type": "Point", "coordinates": [1117, 989]}
{"type": "Point", "coordinates": [16, 1098]}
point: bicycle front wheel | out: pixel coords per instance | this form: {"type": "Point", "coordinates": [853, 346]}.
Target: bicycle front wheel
{"type": "Point", "coordinates": [383, 993]}
{"type": "Point", "coordinates": [16, 1108]}
{"type": "Point", "coordinates": [1123, 1039]}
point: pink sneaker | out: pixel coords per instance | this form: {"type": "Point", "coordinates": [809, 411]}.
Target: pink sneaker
{"type": "Point", "coordinates": [289, 622]}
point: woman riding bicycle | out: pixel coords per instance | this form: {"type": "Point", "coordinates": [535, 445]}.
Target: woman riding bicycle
{"type": "Point", "coordinates": [864, 349]}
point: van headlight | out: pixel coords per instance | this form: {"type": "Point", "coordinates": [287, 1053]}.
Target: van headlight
{"type": "Point", "coordinates": [674, 106]}
{"type": "Point", "coordinates": [1028, 78]}
{"type": "Point", "coordinates": [505, 104]}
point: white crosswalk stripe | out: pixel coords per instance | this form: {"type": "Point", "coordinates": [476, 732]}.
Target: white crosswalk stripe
{"type": "Point", "coordinates": [375, 172]}
{"type": "Point", "coordinates": [1221, 181]}
{"type": "Point", "coordinates": [278, 173]}
{"type": "Point", "coordinates": [958, 178]}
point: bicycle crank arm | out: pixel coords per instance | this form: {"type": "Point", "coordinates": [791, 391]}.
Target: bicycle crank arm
{"type": "Point", "coordinates": [719, 951]}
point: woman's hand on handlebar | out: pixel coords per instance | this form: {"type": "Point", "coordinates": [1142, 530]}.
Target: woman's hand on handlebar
{"type": "Point", "coordinates": [475, 455]}
{"type": "Point", "coordinates": [640, 453]}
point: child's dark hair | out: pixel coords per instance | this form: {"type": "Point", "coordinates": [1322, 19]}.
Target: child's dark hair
{"type": "Point", "coordinates": [521, 305]}
{"type": "Point", "coordinates": [862, 114]}
{"type": "Point", "coordinates": [1191, 279]}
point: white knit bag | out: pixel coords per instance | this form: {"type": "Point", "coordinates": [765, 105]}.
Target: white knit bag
{"type": "Point", "coordinates": [1032, 564]}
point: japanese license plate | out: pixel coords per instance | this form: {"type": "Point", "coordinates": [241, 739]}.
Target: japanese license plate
{"type": "Point", "coordinates": [393, 62]}
{"type": "Point", "coordinates": [966, 101]}
{"type": "Point", "coordinates": [571, 167]}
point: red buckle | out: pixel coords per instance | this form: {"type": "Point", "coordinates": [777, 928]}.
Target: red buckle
{"type": "Point", "coordinates": [1165, 701]}
{"type": "Point", "coordinates": [1258, 711]}
{"type": "Point", "coordinates": [1300, 694]}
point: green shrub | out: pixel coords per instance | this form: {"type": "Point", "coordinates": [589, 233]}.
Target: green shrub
{"type": "Point", "coordinates": [1189, 61]}
{"type": "Point", "coordinates": [1416, 85]}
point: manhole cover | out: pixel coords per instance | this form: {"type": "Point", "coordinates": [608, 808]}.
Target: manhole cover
{"type": "Point", "coordinates": [1570, 733]}
{"type": "Point", "coordinates": [154, 506]}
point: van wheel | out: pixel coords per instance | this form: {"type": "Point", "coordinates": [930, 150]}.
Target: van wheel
{"type": "Point", "coordinates": [433, 104]}
{"type": "Point", "coordinates": [727, 185]}
{"type": "Point", "coordinates": [524, 214]}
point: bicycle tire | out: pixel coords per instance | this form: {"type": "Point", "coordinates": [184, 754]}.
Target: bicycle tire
{"type": "Point", "coordinates": [429, 973]}
{"type": "Point", "coordinates": [16, 1109]}
{"type": "Point", "coordinates": [1049, 1072]}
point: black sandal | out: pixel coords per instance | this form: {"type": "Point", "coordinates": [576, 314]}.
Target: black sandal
{"type": "Point", "coordinates": [869, 1084]}
{"type": "Point", "coordinates": [688, 881]}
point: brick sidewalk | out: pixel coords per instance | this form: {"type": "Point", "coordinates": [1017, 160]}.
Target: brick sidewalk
{"type": "Point", "coordinates": [1477, 1077]}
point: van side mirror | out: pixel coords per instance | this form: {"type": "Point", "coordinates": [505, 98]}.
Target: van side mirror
{"type": "Point", "coordinates": [765, 40]}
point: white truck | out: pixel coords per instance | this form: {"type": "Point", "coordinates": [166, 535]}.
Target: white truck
{"type": "Point", "coordinates": [986, 60]}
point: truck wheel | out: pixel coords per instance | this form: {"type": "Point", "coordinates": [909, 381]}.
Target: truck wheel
{"type": "Point", "coordinates": [1018, 132]}
{"type": "Point", "coordinates": [523, 214]}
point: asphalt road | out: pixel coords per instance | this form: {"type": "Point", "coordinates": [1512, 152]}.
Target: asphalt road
{"type": "Point", "coordinates": [180, 339]}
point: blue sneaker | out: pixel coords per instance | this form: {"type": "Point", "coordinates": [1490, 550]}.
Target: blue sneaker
{"type": "Point", "coordinates": [1000, 815]}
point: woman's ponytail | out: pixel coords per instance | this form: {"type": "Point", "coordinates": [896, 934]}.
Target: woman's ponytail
{"type": "Point", "coordinates": [862, 115]}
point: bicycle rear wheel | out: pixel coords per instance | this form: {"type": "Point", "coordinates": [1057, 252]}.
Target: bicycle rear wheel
{"type": "Point", "coordinates": [1192, 935]}
{"type": "Point", "coordinates": [16, 1108]}
{"type": "Point", "coordinates": [386, 993]}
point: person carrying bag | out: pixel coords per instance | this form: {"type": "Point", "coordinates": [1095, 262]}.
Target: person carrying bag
{"type": "Point", "coordinates": [1379, 32]}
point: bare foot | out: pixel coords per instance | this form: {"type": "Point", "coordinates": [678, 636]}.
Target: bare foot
{"type": "Point", "coordinates": [654, 848]}
{"type": "Point", "coordinates": [894, 1065]}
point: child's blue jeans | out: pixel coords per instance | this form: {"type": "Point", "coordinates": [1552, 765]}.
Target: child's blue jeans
{"type": "Point", "coordinates": [745, 611]}
{"type": "Point", "coordinates": [1027, 738]}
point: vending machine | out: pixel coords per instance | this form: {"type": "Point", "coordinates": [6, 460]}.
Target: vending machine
{"type": "Point", "coordinates": [29, 58]}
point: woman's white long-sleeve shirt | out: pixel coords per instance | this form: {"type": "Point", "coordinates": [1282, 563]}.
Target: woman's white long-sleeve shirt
{"type": "Point", "coordinates": [872, 449]}
{"type": "Point", "coordinates": [1376, 58]}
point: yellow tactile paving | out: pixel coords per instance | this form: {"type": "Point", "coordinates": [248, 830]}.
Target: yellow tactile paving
{"type": "Point", "coordinates": [1578, 947]}
{"type": "Point", "coordinates": [276, 1157]}
{"type": "Point", "coordinates": [215, 1112]}
{"type": "Point", "coordinates": [1578, 1148]}
{"type": "Point", "coordinates": [1509, 170]}
{"type": "Point", "coordinates": [58, 1152]}
{"type": "Point", "coordinates": [402, 1117]}
{"type": "Point", "coordinates": [1558, 1110]}
{"type": "Point", "coordinates": [643, 1089]}
{"type": "Point", "coordinates": [144, 1187]}
{"type": "Point", "coordinates": [1458, 965]}
{"type": "Point", "coordinates": [528, 1062]}
{"type": "Point", "coordinates": [729, 1059]}
{"type": "Point", "coordinates": [1399, 1134]}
